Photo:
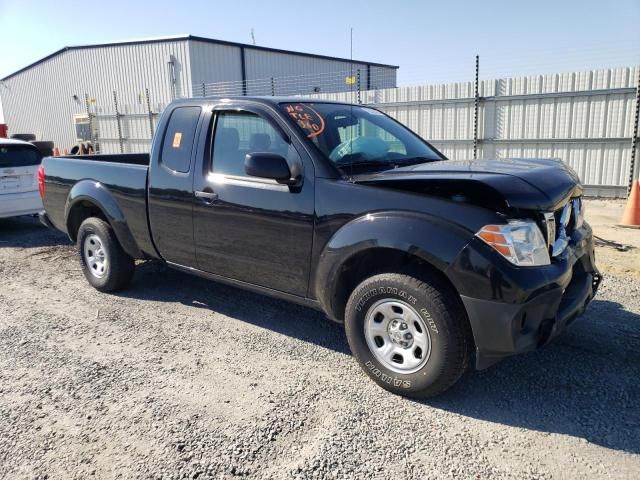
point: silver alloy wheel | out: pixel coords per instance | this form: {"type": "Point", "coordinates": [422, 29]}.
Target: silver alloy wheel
{"type": "Point", "coordinates": [94, 255]}
{"type": "Point", "coordinates": [397, 336]}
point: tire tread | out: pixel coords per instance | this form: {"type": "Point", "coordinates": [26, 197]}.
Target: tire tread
{"type": "Point", "coordinates": [121, 265]}
{"type": "Point", "coordinates": [459, 347]}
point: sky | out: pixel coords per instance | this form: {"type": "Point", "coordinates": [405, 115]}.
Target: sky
{"type": "Point", "coordinates": [431, 41]}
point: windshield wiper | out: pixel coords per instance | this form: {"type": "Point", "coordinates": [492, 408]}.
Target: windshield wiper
{"type": "Point", "coordinates": [386, 164]}
{"type": "Point", "coordinates": [399, 162]}
{"type": "Point", "coordinates": [415, 160]}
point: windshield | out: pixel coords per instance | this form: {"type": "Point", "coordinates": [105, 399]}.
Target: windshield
{"type": "Point", "coordinates": [357, 139]}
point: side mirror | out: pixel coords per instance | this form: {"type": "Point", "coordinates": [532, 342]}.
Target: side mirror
{"type": "Point", "coordinates": [268, 165]}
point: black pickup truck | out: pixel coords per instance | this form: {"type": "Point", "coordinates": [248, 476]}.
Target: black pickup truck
{"type": "Point", "coordinates": [428, 262]}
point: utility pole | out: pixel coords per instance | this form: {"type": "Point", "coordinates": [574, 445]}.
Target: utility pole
{"type": "Point", "coordinates": [149, 113]}
{"type": "Point", "coordinates": [118, 121]}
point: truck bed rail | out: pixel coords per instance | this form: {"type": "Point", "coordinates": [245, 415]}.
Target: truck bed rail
{"type": "Point", "coordinates": [132, 158]}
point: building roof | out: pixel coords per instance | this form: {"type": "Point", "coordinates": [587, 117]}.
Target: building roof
{"type": "Point", "coordinates": [199, 39]}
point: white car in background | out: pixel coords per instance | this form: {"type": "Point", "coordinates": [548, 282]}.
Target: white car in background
{"type": "Point", "coordinates": [19, 193]}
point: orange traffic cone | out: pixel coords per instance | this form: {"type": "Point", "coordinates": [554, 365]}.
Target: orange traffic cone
{"type": "Point", "coordinates": [56, 152]}
{"type": "Point", "coordinates": [631, 217]}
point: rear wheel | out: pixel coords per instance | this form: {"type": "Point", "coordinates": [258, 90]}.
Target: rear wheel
{"type": "Point", "coordinates": [410, 336]}
{"type": "Point", "coordinates": [105, 265]}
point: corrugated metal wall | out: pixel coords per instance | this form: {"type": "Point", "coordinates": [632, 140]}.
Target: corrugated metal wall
{"type": "Point", "coordinates": [212, 63]}
{"type": "Point", "coordinates": [40, 100]}
{"type": "Point", "coordinates": [217, 70]}
{"type": "Point", "coordinates": [297, 75]}
{"type": "Point", "coordinates": [582, 118]}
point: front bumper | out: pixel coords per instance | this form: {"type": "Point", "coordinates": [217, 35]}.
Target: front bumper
{"type": "Point", "coordinates": [516, 309]}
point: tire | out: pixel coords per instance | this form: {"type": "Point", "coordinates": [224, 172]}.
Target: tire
{"type": "Point", "coordinates": [106, 266]}
{"type": "Point", "coordinates": [46, 148]}
{"type": "Point", "coordinates": [438, 352]}
{"type": "Point", "coordinates": [26, 137]}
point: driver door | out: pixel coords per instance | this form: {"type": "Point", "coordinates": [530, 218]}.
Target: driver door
{"type": "Point", "coordinates": [246, 228]}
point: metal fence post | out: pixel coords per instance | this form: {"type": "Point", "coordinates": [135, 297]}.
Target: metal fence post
{"type": "Point", "coordinates": [204, 90]}
{"type": "Point", "coordinates": [273, 87]}
{"type": "Point", "coordinates": [634, 139]}
{"type": "Point", "coordinates": [115, 104]}
{"type": "Point", "coordinates": [90, 117]}
{"type": "Point", "coordinates": [172, 76]}
{"type": "Point", "coordinates": [476, 103]}
{"type": "Point", "coordinates": [149, 112]}
{"type": "Point", "coordinates": [358, 86]}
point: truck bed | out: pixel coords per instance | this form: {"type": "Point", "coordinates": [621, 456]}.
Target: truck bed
{"type": "Point", "coordinates": [123, 177]}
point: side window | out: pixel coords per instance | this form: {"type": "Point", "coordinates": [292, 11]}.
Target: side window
{"type": "Point", "coordinates": [239, 133]}
{"type": "Point", "coordinates": [178, 138]}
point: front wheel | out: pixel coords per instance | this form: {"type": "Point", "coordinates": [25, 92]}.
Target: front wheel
{"type": "Point", "coordinates": [105, 265]}
{"type": "Point", "coordinates": [411, 337]}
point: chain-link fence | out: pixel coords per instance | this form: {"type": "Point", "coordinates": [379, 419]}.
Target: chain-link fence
{"type": "Point", "coordinates": [353, 79]}
{"type": "Point", "coordinates": [117, 128]}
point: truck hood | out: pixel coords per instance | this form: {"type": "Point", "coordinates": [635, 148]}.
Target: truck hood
{"type": "Point", "coordinates": [530, 184]}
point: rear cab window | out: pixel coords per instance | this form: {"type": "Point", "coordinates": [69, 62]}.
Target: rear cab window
{"type": "Point", "coordinates": [19, 156]}
{"type": "Point", "coordinates": [178, 138]}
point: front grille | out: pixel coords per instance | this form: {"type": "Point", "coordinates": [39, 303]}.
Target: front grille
{"type": "Point", "coordinates": [559, 225]}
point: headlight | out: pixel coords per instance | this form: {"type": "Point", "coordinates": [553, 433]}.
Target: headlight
{"type": "Point", "coordinates": [519, 241]}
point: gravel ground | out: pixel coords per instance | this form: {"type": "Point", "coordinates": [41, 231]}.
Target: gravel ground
{"type": "Point", "coordinates": [178, 377]}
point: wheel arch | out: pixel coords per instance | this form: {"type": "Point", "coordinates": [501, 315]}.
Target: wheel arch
{"type": "Point", "coordinates": [89, 198]}
{"type": "Point", "coordinates": [385, 242]}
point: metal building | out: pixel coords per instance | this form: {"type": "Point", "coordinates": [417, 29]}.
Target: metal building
{"type": "Point", "coordinates": [53, 97]}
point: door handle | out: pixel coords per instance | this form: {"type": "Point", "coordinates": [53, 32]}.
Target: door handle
{"type": "Point", "coordinates": [206, 197]}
